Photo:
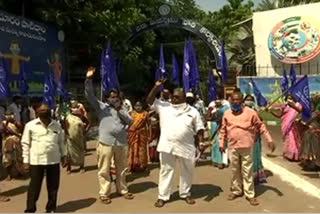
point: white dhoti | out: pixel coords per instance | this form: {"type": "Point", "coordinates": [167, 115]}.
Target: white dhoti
{"type": "Point", "coordinates": [167, 169]}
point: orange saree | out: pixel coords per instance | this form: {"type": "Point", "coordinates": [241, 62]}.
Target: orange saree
{"type": "Point", "coordinates": [138, 134]}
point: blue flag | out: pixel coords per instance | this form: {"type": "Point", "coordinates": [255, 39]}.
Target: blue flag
{"type": "Point", "coordinates": [61, 90]}
{"type": "Point", "coordinates": [103, 73]}
{"type": "Point", "coordinates": [162, 66]}
{"type": "Point", "coordinates": [284, 81]}
{"type": "Point", "coordinates": [4, 87]}
{"type": "Point", "coordinates": [111, 69]}
{"type": "Point", "coordinates": [293, 76]}
{"type": "Point", "coordinates": [261, 100]}
{"type": "Point", "coordinates": [300, 91]}
{"type": "Point", "coordinates": [211, 87]}
{"type": "Point", "coordinates": [23, 79]}
{"type": "Point", "coordinates": [194, 70]}
{"type": "Point", "coordinates": [49, 90]}
{"type": "Point", "coordinates": [109, 79]}
{"type": "Point", "coordinates": [224, 64]}
{"type": "Point", "coordinates": [186, 69]}
{"type": "Point", "coordinates": [175, 71]}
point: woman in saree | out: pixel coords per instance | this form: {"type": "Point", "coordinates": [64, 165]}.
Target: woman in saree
{"type": "Point", "coordinates": [215, 116]}
{"type": "Point", "coordinates": [258, 170]}
{"type": "Point", "coordinates": [138, 136]}
{"type": "Point", "coordinates": [11, 148]}
{"type": "Point", "coordinates": [310, 148]}
{"type": "Point", "coordinates": [76, 128]}
{"type": "Point", "coordinates": [289, 128]}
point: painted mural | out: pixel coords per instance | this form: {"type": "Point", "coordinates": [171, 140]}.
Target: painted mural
{"type": "Point", "coordinates": [295, 40]}
{"type": "Point", "coordinates": [270, 86]}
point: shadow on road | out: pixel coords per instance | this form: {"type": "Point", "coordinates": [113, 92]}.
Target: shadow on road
{"type": "Point", "coordinates": [204, 163]}
{"type": "Point", "coordinates": [91, 168]}
{"type": "Point", "coordinates": [133, 176]}
{"type": "Point", "coordinates": [90, 150]}
{"type": "Point", "coordinates": [73, 206]}
{"type": "Point", "coordinates": [142, 187]}
{"type": "Point", "coordinates": [261, 189]}
{"type": "Point", "coordinates": [136, 175]}
{"type": "Point", "coordinates": [15, 191]}
{"type": "Point", "coordinates": [198, 191]}
{"type": "Point", "coordinates": [268, 173]}
{"type": "Point", "coordinates": [88, 154]}
{"type": "Point", "coordinates": [311, 175]}
{"type": "Point", "coordinates": [209, 191]}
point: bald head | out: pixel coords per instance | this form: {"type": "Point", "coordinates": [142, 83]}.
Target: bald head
{"type": "Point", "coordinates": [179, 96]}
{"type": "Point", "coordinates": [236, 97]}
{"type": "Point", "coordinates": [43, 111]}
{"type": "Point", "coordinates": [43, 107]}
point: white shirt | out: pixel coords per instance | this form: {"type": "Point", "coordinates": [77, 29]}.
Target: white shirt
{"type": "Point", "coordinates": [41, 145]}
{"type": "Point", "coordinates": [213, 105]}
{"type": "Point", "coordinates": [178, 128]}
{"type": "Point", "coordinates": [16, 110]}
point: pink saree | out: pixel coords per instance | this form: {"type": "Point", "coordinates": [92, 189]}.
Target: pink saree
{"type": "Point", "coordinates": [290, 133]}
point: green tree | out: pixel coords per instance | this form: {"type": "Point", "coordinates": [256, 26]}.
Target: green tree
{"type": "Point", "coordinates": [275, 4]}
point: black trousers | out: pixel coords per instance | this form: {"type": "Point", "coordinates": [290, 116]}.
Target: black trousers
{"type": "Point", "coordinates": [53, 180]}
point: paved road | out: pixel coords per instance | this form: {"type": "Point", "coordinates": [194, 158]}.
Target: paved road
{"type": "Point", "coordinates": [78, 193]}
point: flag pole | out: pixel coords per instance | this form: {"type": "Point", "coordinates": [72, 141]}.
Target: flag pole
{"type": "Point", "coordinates": [101, 96]}
{"type": "Point", "coordinates": [274, 101]}
{"type": "Point", "coordinates": [282, 94]}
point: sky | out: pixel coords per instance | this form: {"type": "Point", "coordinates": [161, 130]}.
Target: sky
{"type": "Point", "coordinates": [212, 5]}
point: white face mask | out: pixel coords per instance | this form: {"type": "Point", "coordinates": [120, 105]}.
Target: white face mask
{"type": "Point", "coordinates": [179, 106]}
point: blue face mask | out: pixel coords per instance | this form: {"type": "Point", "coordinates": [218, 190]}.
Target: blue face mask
{"type": "Point", "coordinates": [236, 107]}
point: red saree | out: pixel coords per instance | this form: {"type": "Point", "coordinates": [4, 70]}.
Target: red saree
{"type": "Point", "coordinates": [138, 135]}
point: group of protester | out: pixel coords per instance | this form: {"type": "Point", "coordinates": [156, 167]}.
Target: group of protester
{"type": "Point", "coordinates": [34, 143]}
{"type": "Point", "coordinates": [301, 138]}
{"type": "Point", "coordinates": [182, 123]}
{"type": "Point", "coordinates": [170, 129]}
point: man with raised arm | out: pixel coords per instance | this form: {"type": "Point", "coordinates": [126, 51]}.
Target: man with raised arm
{"type": "Point", "coordinates": [113, 120]}
{"type": "Point", "coordinates": [179, 123]}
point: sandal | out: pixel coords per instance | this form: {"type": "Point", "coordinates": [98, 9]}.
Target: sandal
{"type": "Point", "coordinates": [105, 199]}
{"type": "Point", "coordinates": [233, 196]}
{"type": "Point", "coordinates": [253, 201]}
{"type": "Point", "coordinates": [4, 199]}
{"type": "Point", "coordinates": [159, 203]}
{"type": "Point", "coordinates": [128, 196]}
{"type": "Point", "coordinates": [189, 200]}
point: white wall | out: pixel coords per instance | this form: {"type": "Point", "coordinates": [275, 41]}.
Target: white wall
{"type": "Point", "coordinates": [264, 22]}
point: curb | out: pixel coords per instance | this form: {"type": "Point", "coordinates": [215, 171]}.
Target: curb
{"type": "Point", "coordinates": [293, 179]}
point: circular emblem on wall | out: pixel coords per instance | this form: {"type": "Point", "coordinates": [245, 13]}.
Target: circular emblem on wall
{"type": "Point", "coordinates": [295, 40]}
{"type": "Point", "coordinates": [164, 10]}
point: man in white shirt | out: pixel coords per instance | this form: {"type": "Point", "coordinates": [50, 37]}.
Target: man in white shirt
{"type": "Point", "coordinates": [43, 149]}
{"type": "Point", "coordinates": [179, 124]}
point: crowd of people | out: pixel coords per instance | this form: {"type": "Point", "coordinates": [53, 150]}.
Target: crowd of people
{"type": "Point", "coordinates": [170, 128]}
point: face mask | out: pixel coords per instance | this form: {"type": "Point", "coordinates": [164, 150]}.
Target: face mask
{"type": "Point", "coordinates": [44, 114]}
{"type": "Point", "coordinates": [138, 109]}
{"type": "Point", "coordinates": [113, 101]}
{"type": "Point", "coordinates": [179, 106]}
{"type": "Point", "coordinates": [249, 103]}
{"type": "Point", "coordinates": [236, 107]}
